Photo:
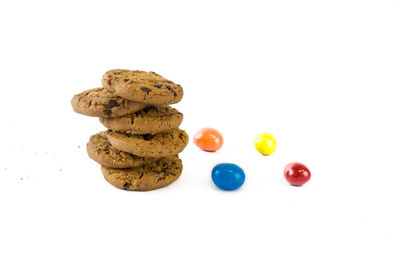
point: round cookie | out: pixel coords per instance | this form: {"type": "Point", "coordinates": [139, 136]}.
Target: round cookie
{"type": "Point", "coordinates": [147, 177]}
{"type": "Point", "coordinates": [98, 102]}
{"type": "Point", "coordinates": [150, 120]}
{"type": "Point", "coordinates": [159, 145]}
{"type": "Point", "coordinates": [101, 151]}
{"type": "Point", "coordinates": [142, 86]}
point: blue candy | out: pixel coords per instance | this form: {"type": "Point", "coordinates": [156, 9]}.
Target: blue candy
{"type": "Point", "coordinates": [228, 176]}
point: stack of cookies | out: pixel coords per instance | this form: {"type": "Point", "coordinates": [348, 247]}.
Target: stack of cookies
{"type": "Point", "coordinates": [139, 151]}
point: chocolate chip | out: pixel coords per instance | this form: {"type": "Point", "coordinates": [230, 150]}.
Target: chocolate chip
{"type": "Point", "coordinates": [147, 137]}
{"type": "Point", "coordinates": [127, 186]}
{"type": "Point", "coordinates": [158, 85]}
{"type": "Point", "coordinates": [145, 89]}
{"type": "Point", "coordinates": [107, 112]}
{"type": "Point", "coordinates": [169, 88]}
{"type": "Point", "coordinates": [111, 103]}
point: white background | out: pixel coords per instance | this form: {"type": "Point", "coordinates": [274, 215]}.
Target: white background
{"type": "Point", "coordinates": [323, 76]}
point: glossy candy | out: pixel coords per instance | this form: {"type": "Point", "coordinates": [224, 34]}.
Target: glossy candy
{"type": "Point", "coordinates": [228, 176]}
{"type": "Point", "coordinates": [265, 143]}
{"type": "Point", "coordinates": [297, 173]}
{"type": "Point", "coordinates": [208, 139]}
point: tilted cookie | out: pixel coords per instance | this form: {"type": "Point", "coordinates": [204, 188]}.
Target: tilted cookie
{"type": "Point", "coordinates": [142, 86]}
{"type": "Point", "coordinates": [101, 151]}
{"type": "Point", "coordinates": [159, 145]}
{"type": "Point", "coordinates": [150, 120]}
{"type": "Point", "coordinates": [147, 177]}
{"type": "Point", "coordinates": [98, 102]}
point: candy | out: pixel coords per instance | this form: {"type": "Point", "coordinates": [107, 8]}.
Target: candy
{"type": "Point", "coordinates": [265, 143]}
{"type": "Point", "coordinates": [297, 173]}
{"type": "Point", "coordinates": [228, 176]}
{"type": "Point", "coordinates": [208, 139]}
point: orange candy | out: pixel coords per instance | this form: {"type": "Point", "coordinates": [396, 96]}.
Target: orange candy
{"type": "Point", "coordinates": [208, 139]}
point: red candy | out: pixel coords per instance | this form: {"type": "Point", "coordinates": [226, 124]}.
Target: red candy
{"type": "Point", "coordinates": [297, 173]}
{"type": "Point", "coordinates": [208, 139]}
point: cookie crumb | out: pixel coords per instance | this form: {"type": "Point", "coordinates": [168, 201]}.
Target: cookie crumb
{"type": "Point", "coordinates": [79, 146]}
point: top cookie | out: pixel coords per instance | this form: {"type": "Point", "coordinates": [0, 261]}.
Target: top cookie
{"type": "Point", "coordinates": [142, 86]}
{"type": "Point", "coordinates": [98, 102]}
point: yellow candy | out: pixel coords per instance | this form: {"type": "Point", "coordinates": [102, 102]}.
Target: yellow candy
{"type": "Point", "coordinates": [265, 143]}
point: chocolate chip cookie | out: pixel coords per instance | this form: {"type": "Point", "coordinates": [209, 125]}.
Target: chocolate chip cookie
{"type": "Point", "coordinates": [159, 145]}
{"type": "Point", "coordinates": [98, 102]}
{"type": "Point", "coordinates": [142, 86]}
{"type": "Point", "coordinates": [147, 177]}
{"type": "Point", "coordinates": [101, 151]}
{"type": "Point", "coordinates": [150, 120]}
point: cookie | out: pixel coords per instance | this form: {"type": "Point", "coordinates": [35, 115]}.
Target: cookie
{"type": "Point", "coordinates": [101, 151]}
{"type": "Point", "coordinates": [98, 102]}
{"type": "Point", "coordinates": [150, 120]}
{"type": "Point", "coordinates": [142, 86]}
{"type": "Point", "coordinates": [159, 145]}
{"type": "Point", "coordinates": [147, 177]}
